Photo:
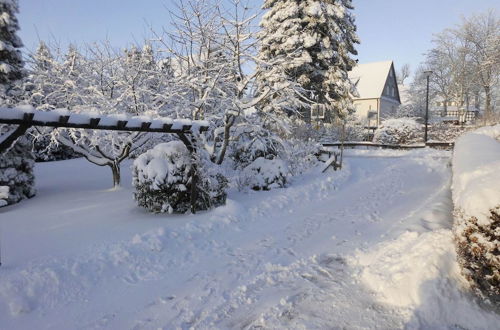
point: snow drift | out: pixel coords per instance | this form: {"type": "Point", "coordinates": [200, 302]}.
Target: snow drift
{"type": "Point", "coordinates": [476, 197]}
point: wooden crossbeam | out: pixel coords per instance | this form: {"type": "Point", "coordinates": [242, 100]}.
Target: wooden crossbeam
{"type": "Point", "coordinates": [94, 124]}
{"type": "Point", "coordinates": [20, 130]}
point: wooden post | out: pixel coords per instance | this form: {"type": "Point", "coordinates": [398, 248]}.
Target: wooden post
{"type": "Point", "coordinates": [20, 130]}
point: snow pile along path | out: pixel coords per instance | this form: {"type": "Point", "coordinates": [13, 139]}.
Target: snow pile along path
{"type": "Point", "coordinates": [341, 249]}
{"type": "Point", "coordinates": [476, 179]}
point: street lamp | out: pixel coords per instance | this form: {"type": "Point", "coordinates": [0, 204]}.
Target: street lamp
{"type": "Point", "coordinates": [427, 75]}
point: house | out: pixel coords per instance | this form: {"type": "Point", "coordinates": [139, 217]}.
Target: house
{"type": "Point", "coordinates": [377, 94]}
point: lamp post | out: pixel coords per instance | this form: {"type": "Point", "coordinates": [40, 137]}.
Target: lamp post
{"type": "Point", "coordinates": [427, 75]}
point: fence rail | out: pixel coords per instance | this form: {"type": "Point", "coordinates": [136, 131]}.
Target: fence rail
{"type": "Point", "coordinates": [352, 145]}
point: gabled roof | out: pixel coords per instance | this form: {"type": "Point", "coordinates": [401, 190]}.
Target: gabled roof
{"type": "Point", "coordinates": [370, 78]}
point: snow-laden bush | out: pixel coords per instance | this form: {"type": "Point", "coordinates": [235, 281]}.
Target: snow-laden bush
{"type": "Point", "coordinates": [16, 171]}
{"type": "Point", "coordinates": [265, 174]}
{"type": "Point", "coordinates": [162, 179]}
{"type": "Point", "coordinates": [302, 156]}
{"type": "Point", "coordinates": [253, 144]}
{"type": "Point", "coordinates": [353, 131]}
{"type": "Point", "coordinates": [444, 132]}
{"type": "Point", "coordinates": [4, 195]}
{"type": "Point", "coordinates": [399, 131]}
{"type": "Point", "coordinates": [476, 198]}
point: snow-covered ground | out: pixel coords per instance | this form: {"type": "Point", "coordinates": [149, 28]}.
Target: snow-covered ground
{"type": "Point", "coordinates": [367, 247]}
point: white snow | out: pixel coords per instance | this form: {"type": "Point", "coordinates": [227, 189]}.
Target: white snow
{"type": "Point", "coordinates": [4, 195]}
{"type": "Point", "coordinates": [365, 247]}
{"type": "Point", "coordinates": [476, 179]}
{"type": "Point", "coordinates": [163, 164]}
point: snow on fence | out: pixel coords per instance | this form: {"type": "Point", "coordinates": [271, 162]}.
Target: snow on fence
{"type": "Point", "coordinates": [476, 198]}
{"type": "Point", "coordinates": [362, 144]}
{"type": "Point", "coordinates": [65, 118]}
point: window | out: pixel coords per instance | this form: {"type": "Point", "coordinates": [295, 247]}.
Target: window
{"type": "Point", "coordinates": [317, 111]}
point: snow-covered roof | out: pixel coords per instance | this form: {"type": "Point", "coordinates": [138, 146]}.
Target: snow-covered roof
{"type": "Point", "coordinates": [370, 78]}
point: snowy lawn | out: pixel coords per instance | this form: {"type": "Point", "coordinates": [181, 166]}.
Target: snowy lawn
{"type": "Point", "coordinates": [367, 247]}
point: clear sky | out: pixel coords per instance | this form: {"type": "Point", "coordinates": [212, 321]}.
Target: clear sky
{"type": "Point", "coordinates": [400, 30]}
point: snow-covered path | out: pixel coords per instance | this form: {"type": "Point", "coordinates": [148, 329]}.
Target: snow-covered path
{"type": "Point", "coordinates": [367, 247]}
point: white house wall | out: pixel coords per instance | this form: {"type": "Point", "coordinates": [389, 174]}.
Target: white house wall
{"type": "Point", "coordinates": [363, 107]}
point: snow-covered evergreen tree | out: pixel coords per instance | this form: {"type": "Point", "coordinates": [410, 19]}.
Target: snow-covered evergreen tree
{"type": "Point", "coordinates": [16, 165]}
{"type": "Point", "coordinates": [162, 178]}
{"type": "Point", "coordinates": [11, 62]}
{"type": "Point", "coordinates": [315, 39]}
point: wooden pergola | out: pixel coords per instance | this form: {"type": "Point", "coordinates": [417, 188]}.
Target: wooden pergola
{"type": "Point", "coordinates": [24, 119]}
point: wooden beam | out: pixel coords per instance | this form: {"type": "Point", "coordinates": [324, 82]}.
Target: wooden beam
{"type": "Point", "coordinates": [121, 124]}
{"type": "Point", "coordinates": [94, 122]}
{"type": "Point", "coordinates": [145, 126]}
{"type": "Point", "coordinates": [63, 120]}
{"type": "Point", "coordinates": [20, 130]}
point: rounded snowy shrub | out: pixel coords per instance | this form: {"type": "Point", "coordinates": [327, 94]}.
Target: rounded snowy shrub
{"type": "Point", "coordinates": [16, 173]}
{"type": "Point", "coordinates": [261, 147]}
{"type": "Point", "coordinates": [266, 174]}
{"type": "Point", "coordinates": [301, 155]}
{"type": "Point", "coordinates": [399, 131]}
{"type": "Point", "coordinates": [162, 179]}
{"type": "Point", "coordinates": [445, 132]}
{"type": "Point", "coordinates": [478, 248]}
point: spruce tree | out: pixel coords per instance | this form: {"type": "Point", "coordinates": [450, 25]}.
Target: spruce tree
{"type": "Point", "coordinates": [11, 62]}
{"type": "Point", "coordinates": [16, 165]}
{"type": "Point", "coordinates": [316, 40]}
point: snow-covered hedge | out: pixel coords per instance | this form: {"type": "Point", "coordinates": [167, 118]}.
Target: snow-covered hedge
{"type": "Point", "coordinates": [255, 144]}
{"type": "Point", "coordinates": [266, 174]}
{"type": "Point", "coordinates": [302, 156]}
{"type": "Point", "coordinates": [4, 195]}
{"type": "Point", "coordinates": [445, 132]}
{"type": "Point", "coordinates": [16, 172]}
{"type": "Point", "coordinates": [399, 131]}
{"type": "Point", "coordinates": [162, 179]}
{"type": "Point", "coordinates": [476, 197]}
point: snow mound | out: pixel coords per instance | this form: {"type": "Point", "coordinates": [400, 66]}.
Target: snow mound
{"type": "Point", "coordinates": [4, 195]}
{"type": "Point", "coordinates": [418, 274]}
{"type": "Point", "coordinates": [476, 178]}
{"type": "Point", "coordinates": [476, 197]}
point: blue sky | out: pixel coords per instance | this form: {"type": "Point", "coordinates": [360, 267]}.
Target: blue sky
{"type": "Point", "coordinates": [400, 30]}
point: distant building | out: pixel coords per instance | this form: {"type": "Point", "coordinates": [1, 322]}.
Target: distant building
{"type": "Point", "coordinates": [377, 91]}
{"type": "Point", "coordinates": [455, 111]}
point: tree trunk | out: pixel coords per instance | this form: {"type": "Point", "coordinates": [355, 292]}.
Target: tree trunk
{"type": "Point", "coordinates": [487, 93]}
{"type": "Point", "coordinates": [115, 168]}
{"type": "Point", "coordinates": [225, 143]}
